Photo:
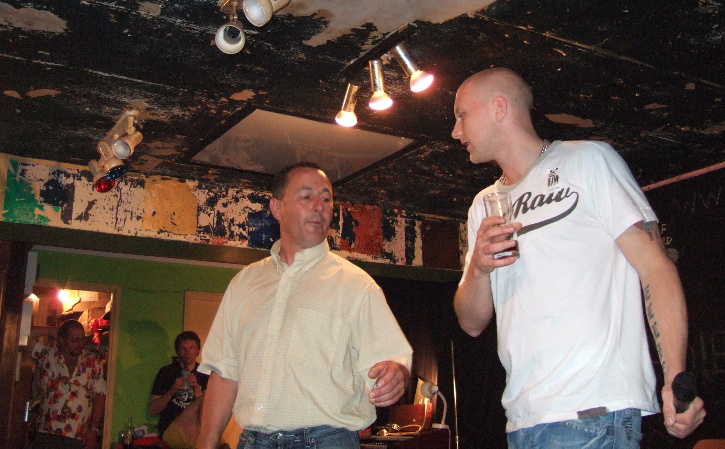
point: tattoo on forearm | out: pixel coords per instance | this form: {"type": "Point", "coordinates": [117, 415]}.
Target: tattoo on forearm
{"type": "Point", "coordinates": [653, 323]}
{"type": "Point", "coordinates": [648, 227]}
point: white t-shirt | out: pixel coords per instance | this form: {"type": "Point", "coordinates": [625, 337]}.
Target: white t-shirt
{"type": "Point", "coordinates": [571, 329]}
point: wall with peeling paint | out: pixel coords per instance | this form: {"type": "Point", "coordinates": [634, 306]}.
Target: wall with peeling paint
{"type": "Point", "coordinates": [37, 192]}
{"type": "Point", "coordinates": [61, 195]}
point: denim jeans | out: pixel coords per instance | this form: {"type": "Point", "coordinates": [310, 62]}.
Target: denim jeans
{"type": "Point", "coordinates": [615, 430]}
{"type": "Point", "coordinates": [321, 437]}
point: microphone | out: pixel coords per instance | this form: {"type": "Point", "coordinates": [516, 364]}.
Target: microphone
{"type": "Point", "coordinates": [684, 389]}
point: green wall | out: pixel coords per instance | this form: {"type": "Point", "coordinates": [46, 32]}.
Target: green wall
{"type": "Point", "coordinates": [151, 315]}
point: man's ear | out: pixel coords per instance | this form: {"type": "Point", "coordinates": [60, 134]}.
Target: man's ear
{"type": "Point", "coordinates": [500, 107]}
{"type": "Point", "coordinates": [274, 205]}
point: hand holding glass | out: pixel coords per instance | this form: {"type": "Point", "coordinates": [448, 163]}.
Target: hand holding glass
{"type": "Point", "coordinates": [498, 204]}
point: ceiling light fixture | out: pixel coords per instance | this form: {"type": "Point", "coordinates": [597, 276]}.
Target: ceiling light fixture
{"type": "Point", "coordinates": [101, 182]}
{"type": "Point", "coordinates": [118, 144]}
{"type": "Point", "coordinates": [380, 100]}
{"type": "Point", "coordinates": [419, 80]}
{"type": "Point", "coordinates": [122, 145]}
{"type": "Point", "coordinates": [230, 38]}
{"type": "Point", "coordinates": [346, 117]}
{"type": "Point", "coordinates": [391, 46]}
{"type": "Point", "coordinates": [260, 12]}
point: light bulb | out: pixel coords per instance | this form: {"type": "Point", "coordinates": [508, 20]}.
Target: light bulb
{"type": "Point", "coordinates": [104, 184]}
{"type": "Point", "coordinates": [380, 101]}
{"type": "Point", "coordinates": [346, 119]}
{"type": "Point", "coordinates": [257, 12]}
{"type": "Point", "coordinates": [420, 81]}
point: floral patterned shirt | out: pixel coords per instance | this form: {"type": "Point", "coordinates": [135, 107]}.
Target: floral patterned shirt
{"type": "Point", "coordinates": [66, 401]}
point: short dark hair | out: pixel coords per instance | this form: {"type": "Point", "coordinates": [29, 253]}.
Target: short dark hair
{"type": "Point", "coordinates": [281, 179]}
{"type": "Point", "coordinates": [186, 336]}
{"type": "Point", "coordinates": [65, 328]}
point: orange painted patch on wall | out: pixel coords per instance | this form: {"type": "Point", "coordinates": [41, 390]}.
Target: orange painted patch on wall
{"type": "Point", "coordinates": [170, 206]}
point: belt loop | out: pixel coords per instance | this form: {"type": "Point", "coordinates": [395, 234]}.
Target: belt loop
{"type": "Point", "coordinates": [306, 434]}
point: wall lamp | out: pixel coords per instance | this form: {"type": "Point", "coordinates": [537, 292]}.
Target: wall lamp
{"type": "Point", "coordinates": [118, 144]}
{"type": "Point", "coordinates": [230, 37]}
{"type": "Point", "coordinates": [430, 390]}
{"type": "Point", "coordinates": [346, 117]}
{"type": "Point", "coordinates": [391, 47]}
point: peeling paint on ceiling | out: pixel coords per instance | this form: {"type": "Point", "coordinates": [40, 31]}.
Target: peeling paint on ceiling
{"type": "Point", "coordinates": [385, 16]}
{"type": "Point", "coordinates": [31, 19]}
{"type": "Point", "coordinates": [645, 75]}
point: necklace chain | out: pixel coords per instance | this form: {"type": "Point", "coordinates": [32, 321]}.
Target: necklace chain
{"type": "Point", "coordinates": [544, 147]}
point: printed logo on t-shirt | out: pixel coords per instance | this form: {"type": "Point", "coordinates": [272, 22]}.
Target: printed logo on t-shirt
{"type": "Point", "coordinates": [553, 178]}
{"type": "Point", "coordinates": [183, 397]}
{"type": "Point", "coordinates": [537, 211]}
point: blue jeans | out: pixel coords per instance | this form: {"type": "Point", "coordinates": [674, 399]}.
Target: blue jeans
{"type": "Point", "coordinates": [321, 437]}
{"type": "Point", "coordinates": [615, 430]}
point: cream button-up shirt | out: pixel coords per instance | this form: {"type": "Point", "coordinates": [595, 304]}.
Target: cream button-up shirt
{"type": "Point", "coordinates": [300, 340]}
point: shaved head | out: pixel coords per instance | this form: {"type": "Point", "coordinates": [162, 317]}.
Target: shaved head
{"type": "Point", "coordinates": [501, 81]}
{"type": "Point", "coordinates": [493, 117]}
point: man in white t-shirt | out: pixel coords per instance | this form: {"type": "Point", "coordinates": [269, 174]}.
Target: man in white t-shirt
{"type": "Point", "coordinates": [569, 310]}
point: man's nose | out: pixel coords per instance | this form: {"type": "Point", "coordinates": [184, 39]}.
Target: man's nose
{"type": "Point", "coordinates": [456, 131]}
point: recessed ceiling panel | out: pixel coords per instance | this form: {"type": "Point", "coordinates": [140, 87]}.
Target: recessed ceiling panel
{"type": "Point", "coordinates": [267, 141]}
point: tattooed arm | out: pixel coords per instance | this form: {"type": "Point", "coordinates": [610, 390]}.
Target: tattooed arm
{"type": "Point", "coordinates": [666, 314]}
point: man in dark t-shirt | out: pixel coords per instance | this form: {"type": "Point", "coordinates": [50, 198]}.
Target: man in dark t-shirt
{"type": "Point", "coordinates": [178, 384]}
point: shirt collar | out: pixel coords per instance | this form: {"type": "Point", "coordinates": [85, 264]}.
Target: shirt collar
{"type": "Point", "coordinates": [303, 259]}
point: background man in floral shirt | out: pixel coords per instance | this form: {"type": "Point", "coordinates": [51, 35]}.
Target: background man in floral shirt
{"type": "Point", "coordinates": [71, 389]}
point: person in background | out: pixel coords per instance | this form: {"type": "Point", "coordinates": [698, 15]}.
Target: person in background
{"type": "Point", "coordinates": [71, 389]}
{"type": "Point", "coordinates": [178, 384]}
{"type": "Point", "coordinates": [569, 312]}
{"type": "Point", "coordinates": [304, 345]}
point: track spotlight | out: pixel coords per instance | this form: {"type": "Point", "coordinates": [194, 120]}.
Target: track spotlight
{"type": "Point", "coordinates": [113, 165]}
{"type": "Point", "coordinates": [346, 117]}
{"type": "Point", "coordinates": [259, 12]}
{"type": "Point", "coordinates": [230, 38]}
{"type": "Point", "coordinates": [380, 100]}
{"type": "Point", "coordinates": [118, 144]}
{"type": "Point", "coordinates": [123, 147]}
{"type": "Point", "coordinates": [419, 80]}
{"type": "Point", "coordinates": [101, 182]}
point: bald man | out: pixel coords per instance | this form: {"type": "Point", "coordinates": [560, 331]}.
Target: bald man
{"type": "Point", "coordinates": [569, 310]}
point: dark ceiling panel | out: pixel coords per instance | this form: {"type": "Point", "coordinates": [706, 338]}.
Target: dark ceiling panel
{"type": "Point", "coordinates": [645, 75]}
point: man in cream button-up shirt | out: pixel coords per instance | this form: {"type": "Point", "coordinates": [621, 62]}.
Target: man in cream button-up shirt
{"type": "Point", "coordinates": [304, 345]}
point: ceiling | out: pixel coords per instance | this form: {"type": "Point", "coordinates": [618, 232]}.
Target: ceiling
{"type": "Point", "coordinates": [646, 75]}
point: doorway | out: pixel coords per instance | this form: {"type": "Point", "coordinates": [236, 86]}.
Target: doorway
{"type": "Point", "coordinates": [95, 306]}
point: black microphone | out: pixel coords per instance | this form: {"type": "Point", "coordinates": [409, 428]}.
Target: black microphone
{"type": "Point", "coordinates": [684, 389]}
